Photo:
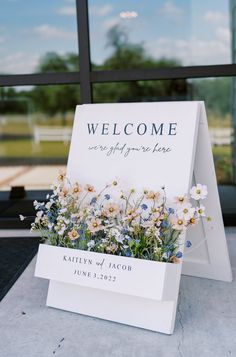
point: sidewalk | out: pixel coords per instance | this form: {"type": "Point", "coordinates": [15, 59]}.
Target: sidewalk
{"type": "Point", "coordinates": [32, 177]}
{"type": "Point", "coordinates": [205, 323]}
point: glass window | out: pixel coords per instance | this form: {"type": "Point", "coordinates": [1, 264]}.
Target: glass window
{"type": "Point", "coordinates": [141, 34]}
{"type": "Point", "coordinates": [38, 36]}
{"type": "Point", "coordinates": [35, 132]}
{"type": "Point", "coordinates": [217, 94]}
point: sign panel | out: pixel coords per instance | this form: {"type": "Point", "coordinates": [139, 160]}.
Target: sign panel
{"type": "Point", "coordinates": [141, 144]}
{"type": "Point", "coordinates": [145, 145]}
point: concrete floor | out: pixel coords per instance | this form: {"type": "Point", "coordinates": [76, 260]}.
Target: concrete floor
{"type": "Point", "coordinates": [205, 323]}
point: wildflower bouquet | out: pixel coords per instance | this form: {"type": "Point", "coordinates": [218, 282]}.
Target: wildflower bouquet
{"type": "Point", "coordinates": [142, 225]}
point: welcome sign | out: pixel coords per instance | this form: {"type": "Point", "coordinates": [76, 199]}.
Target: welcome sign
{"type": "Point", "coordinates": [142, 145]}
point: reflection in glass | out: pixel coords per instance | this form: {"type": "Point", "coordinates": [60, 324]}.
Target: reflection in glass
{"type": "Point", "coordinates": [139, 34]}
{"type": "Point", "coordinates": [32, 32]}
{"type": "Point", "coordinates": [35, 130]}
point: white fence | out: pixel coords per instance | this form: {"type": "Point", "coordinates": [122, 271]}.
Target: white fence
{"type": "Point", "coordinates": [52, 133]}
{"type": "Point", "coordinates": [221, 136]}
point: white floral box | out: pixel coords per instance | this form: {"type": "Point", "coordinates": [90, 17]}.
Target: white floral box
{"type": "Point", "coordinates": [132, 291]}
{"type": "Point", "coordinates": [138, 277]}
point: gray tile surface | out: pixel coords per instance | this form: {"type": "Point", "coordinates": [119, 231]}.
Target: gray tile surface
{"type": "Point", "coordinates": [205, 323]}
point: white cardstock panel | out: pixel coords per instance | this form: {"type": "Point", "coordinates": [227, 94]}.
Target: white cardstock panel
{"type": "Point", "coordinates": [135, 168]}
{"type": "Point", "coordinates": [137, 277]}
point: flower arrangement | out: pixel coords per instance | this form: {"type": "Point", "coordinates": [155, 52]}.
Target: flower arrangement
{"type": "Point", "coordinates": [127, 223]}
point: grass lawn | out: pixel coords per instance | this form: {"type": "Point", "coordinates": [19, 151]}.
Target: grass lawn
{"type": "Point", "coordinates": [26, 148]}
{"type": "Point", "coordinates": [223, 163]}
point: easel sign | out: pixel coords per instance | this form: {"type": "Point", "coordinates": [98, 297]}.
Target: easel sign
{"type": "Point", "coordinates": [146, 145]}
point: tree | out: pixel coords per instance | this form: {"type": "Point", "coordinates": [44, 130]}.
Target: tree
{"type": "Point", "coordinates": [53, 62]}
{"type": "Point", "coordinates": [127, 55]}
{"type": "Point", "coordinates": [57, 98]}
{"type": "Point", "coordinates": [216, 93]}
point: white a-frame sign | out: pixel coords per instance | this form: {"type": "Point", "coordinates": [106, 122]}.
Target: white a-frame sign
{"type": "Point", "coordinates": [146, 145]}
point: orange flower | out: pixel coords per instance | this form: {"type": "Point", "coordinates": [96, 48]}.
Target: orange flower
{"type": "Point", "coordinates": [89, 188]}
{"type": "Point", "coordinates": [174, 259]}
{"type": "Point", "coordinates": [151, 195]}
{"type": "Point", "coordinates": [61, 175]}
{"type": "Point", "coordinates": [63, 193]}
{"type": "Point", "coordinates": [76, 189]}
{"type": "Point", "coordinates": [95, 225]}
{"type": "Point", "coordinates": [73, 235]}
{"type": "Point", "coordinates": [111, 210]}
{"type": "Point", "coordinates": [132, 214]}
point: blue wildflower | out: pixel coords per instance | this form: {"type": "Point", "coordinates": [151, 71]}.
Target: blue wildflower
{"type": "Point", "coordinates": [93, 201]}
{"type": "Point", "coordinates": [124, 231]}
{"type": "Point", "coordinates": [51, 217]}
{"type": "Point", "coordinates": [179, 255]}
{"type": "Point", "coordinates": [144, 206]}
{"type": "Point", "coordinates": [107, 197]}
{"type": "Point", "coordinates": [128, 253]}
{"type": "Point", "coordinates": [165, 224]}
{"type": "Point", "coordinates": [41, 208]}
{"type": "Point", "coordinates": [169, 253]}
{"type": "Point", "coordinates": [188, 244]}
{"type": "Point", "coordinates": [171, 210]}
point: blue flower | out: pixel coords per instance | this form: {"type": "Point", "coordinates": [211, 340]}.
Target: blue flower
{"type": "Point", "coordinates": [144, 206]}
{"type": "Point", "coordinates": [124, 231]}
{"type": "Point", "coordinates": [165, 224]}
{"type": "Point", "coordinates": [128, 253]}
{"type": "Point", "coordinates": [188, 244]}
{"type": "Point", "coordinates": [171, 210]}
{"type": "Point", "coordinates": [93, 201]}
{"type": "Point", "coordinates": [107, 197]}
{"type": "Point", "coordinates": [169, 253]}
{"type": "Point", "coordinates": [51, 217]}
{"type": "Point", "coordinates": [179, 255]}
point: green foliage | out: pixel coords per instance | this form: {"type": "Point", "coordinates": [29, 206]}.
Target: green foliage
{"type": "Point", "coordinates": [12, 101]}
{"type": "Point", "coordinates": [216, 93]}
{"type": "Point", "coordinates": [55, 99]}
{"type": "Point", "coordinates": [53, 62]}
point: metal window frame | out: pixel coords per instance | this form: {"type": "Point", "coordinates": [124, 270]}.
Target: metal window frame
{"type": "Point", "coordinates": [85, 77]}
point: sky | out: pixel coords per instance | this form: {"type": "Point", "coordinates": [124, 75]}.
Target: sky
{"type": "Point", "coordinates": [196, 32]}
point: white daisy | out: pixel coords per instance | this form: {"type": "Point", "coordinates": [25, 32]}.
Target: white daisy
{"type": "Point", "coordinates": [198, 192]}
{"type": "Point", "coordinates": [178, 224]}
{"type": "Point", "coordinates": [186, 211]}
{"type": "Point", "coordinates": [201, 211]}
